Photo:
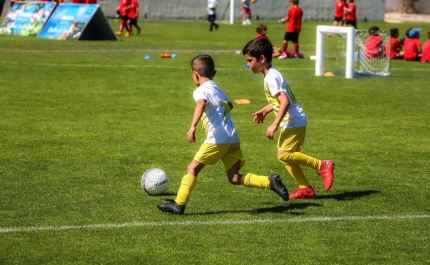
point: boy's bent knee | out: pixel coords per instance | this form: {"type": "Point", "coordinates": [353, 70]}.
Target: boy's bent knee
{"type": "Point", "coordinates": [235, 179]}
{"type": "Point", "coordinates": [194, 168]}
{"type": "Point", "coordinates": [285, 156]}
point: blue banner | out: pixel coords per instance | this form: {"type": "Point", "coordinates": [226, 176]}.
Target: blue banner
{"type": "Point", "coordinates": [26, 18]}
{"type": "Point", "coordinates": [68, 21]}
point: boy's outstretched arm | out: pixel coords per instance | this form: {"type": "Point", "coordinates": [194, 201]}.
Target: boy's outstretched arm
{"type": "Point", "coordinates": [283, 108]}
{"type": "Point", "coordinates": [258, 117]}
{"type": "Point", "coordinates": [198, 111]}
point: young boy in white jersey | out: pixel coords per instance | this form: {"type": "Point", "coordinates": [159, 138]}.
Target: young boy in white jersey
{"type": "Point", "coordinates": [290, 119]}
{"type": "Point", "coordinates": [211, 8]}
{"type": "Point", "coordinates": [222, 142]}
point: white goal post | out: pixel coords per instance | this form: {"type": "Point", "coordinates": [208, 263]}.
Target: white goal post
{"type": "Point", "coordinates": [350, 41]}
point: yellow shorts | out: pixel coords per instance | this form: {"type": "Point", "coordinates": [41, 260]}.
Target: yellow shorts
{"type": "Point", "coordinates": [210, 154]}
{"type": "Point", "coordinates": [292, 139]}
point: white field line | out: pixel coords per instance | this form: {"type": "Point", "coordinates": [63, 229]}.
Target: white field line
{"type": "Point", "coordinates": [119, 50]}
{"type": "Point", "coordinates": [232, 51]}
{"type": "Point", "coordinates": [166, 66]}
{"type": "Point", "coordinates": [133, 66]}
{"type": "Point", "coordinates": [203, 223]}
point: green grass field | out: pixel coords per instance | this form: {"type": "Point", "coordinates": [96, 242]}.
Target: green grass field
{"type": "Point", "coordinates": [80, 121]}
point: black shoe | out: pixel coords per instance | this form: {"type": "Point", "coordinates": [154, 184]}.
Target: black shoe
{"type": "Point", "coordinates": [171, 207]}
{"type": "Point", "coordinates": [216, 26]}
{"type": "Point", "coordinates": [277, 186]}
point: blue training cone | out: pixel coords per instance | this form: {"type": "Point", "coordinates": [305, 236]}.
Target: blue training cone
{"type": "Point", "coordinates": [147, 57]}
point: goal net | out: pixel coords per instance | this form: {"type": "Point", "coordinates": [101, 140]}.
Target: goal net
{"type": "Point", "coordinates": [344, 50]}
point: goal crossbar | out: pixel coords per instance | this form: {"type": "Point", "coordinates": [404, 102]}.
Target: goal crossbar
{"type": "Point", "coordinates": [350, 40]}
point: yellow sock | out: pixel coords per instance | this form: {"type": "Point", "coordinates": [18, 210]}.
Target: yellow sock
{"type": "Point", "coordinates": [187, 185]}
{"type": "Point", "coordinates": [300, 159]}
{"type": "Point", "coordinates": [292, 162]}
{"type": "Point", "coordinates": [297, 173]}
{"type": "Point", "coordinates": [251, 180]}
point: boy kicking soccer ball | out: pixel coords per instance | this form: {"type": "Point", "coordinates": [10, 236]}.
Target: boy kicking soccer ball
{"type": "Point", "coordinates": [290, 118]}
{"type": "Point", "coordinates": [222, 142]}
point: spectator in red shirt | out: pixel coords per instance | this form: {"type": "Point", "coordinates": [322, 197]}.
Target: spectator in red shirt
{"type": "Point", "coordinates": [425, 57]}
{"type": "Point", "coordinates": [412, 46]}
{"type": "Point", "coordinates": [261, 33]}
{"type": "Point", "coordinates": [292, 30]}
{"type": "Point", "coordinates": [350, 17]}
{"type": "Point", "coordinates": [133, 15]}
{"type": "Point", "coordinates": [373, 45]}
{"type": "Point", "coordinates": [393, 47]}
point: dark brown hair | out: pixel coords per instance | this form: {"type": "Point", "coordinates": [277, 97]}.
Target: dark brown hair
{"type": "Point", "coordinates": [261, 28]}
{"type": "Point", "coordinates": [204, 65]}
{"type": "Point", "coordinates": [258, 47]}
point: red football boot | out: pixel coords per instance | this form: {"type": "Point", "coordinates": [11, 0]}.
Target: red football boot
{"type": "Point", "coordinates": [326, 173]}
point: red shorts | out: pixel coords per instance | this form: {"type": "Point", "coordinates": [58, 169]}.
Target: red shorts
{"type": "Point", "coordinates": [246, 10]}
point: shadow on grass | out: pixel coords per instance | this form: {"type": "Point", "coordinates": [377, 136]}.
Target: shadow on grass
{"type": "Point", "coordinates": [348, 195]}
{"type": "Point", "coordinates": [170, 194]}
{"type": "Point", "coordinates": [296, 205]}
{"type": "Point", "coordinates": [287, 208]}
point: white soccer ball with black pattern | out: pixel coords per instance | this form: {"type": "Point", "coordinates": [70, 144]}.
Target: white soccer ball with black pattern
{"type": "Point", "coordinates": [155, 181]}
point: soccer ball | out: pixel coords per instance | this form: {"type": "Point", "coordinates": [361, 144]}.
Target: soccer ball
{"type": "Point", "coordinates": [253, 1]}
{"type": "Point", "coordinates": [155, 181]}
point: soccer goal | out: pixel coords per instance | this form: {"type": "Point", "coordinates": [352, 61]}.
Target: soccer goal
{"type": "Point", "coordinates": [354, 52]}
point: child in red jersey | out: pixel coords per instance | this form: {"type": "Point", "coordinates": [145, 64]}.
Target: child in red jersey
{"type": "Point", "coordinates": [261, 33]}
{"type": "Point", "coordinates": [123, 10]}
{"type": "Point", "coordinates": [292, 30]}
{"type": "Point", "coordinates": [339, 12]}
{"type": "Point", "coordinates": [393, 47]}
{"type": "Point", "coordinates": [350, 14]}
{"type": "Point", "coordinates": [425, 57]}
{"type": "Point", "coordinates": [373, 45]}
{"type": "Point", "coordinates": [412, 46]}
{"type": "Point", "coordinates": [133, 15]}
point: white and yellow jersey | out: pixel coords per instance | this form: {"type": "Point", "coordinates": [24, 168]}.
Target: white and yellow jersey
{"type": "Point", "coordinates": [217, 123]}
{"type": "Point", "coordinates": [274, 83]}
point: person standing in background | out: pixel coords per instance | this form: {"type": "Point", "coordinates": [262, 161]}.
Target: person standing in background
{"type": "Point", "coordinates": [133, 16]}
{"type": "Point", "coordinates": [339, 12]}
{"type": "Point", "coordinates": [350, 14]}
{"type": "Point", "coordinates": [246, 8]}
{"type": "Point", "coordinates": [123, 9]}
{"type": "Point", "coordinates": [211, 8]}
{"type": "Point", "coordinates": [292, 30]}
